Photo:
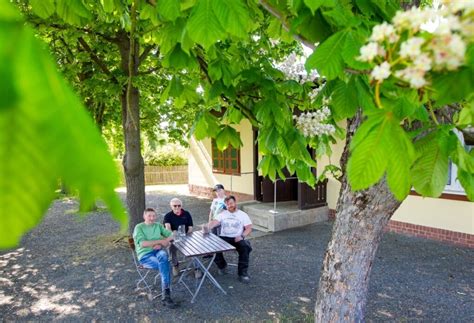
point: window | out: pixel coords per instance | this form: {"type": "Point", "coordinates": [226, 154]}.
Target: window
{"type": "Point", "coordinates": [453, 186]}
{"type": "Point", "coordinates": [227, 161]}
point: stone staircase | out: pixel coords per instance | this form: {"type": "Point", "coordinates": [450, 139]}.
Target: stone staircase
{"type": "Point", "coordinates": [287, 215]}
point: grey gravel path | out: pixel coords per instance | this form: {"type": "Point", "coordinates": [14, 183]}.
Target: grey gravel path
{"type": "Point", "coordinates": [69, 269]}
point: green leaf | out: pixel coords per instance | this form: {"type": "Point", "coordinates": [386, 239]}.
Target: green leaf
{"type": "Point", "coordinates": [461, 157]}
{"type": "Point", "coordinates": [233, 16]}
{"type": "Point", "coordinates": [313, 5]}
{"type": "Point", "coordinates": [271, 141]}
{"type": "Point", "coordinates": [327, 58]}
{"type": "Point", "coordinates": [108, 5]}
{"type": "Point", "coordinates": [176, 87]}
{"type": "Point", "coordinates": [168, 9]}
{"type": "Point", "coordinates": [430, 171]}
{"type": "Point", "coordinates": [203, 26]}
{"type": "Point", "coordinates": [72, 11]}
{"type": "Point", "coordinates": [169, 35]}
{"type": "Point", "coordinates": [233, 115]}
{"type": "Point", "coordinates": [388, 8]}
{"type": "Point", "coordinates": [344, 100]}
{"type": "Point", "coordinates": [341, 15]}
{"type": "Point", "coordinates": [43, 8]}
{"type": "Point", "coordinates": [178, 59]}
{"type": "Point", "coordinates": [205, 125]}
{"type": "Point", "coordinates": [364, 95]}
{"type": "Point", "coordinates": [215, 70]}
{"type": "Point", "coordinates": [368, 160]}
{"type": "Point", "coordinates": [467, 181]}
{"type": "Point", "coordinates": [228, 136]}
{"type": "Point", "coordinates": [401, 156]}
{"type": "Point", "coordinates": [57, 140]}
{"type": "Point", "coordinates": [355, 39]}
{"type": "Point", "coordinates": [466, 116]}
{"type": "Point", "coordinates": [446, 93]}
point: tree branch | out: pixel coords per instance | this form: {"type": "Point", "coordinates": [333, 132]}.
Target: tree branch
{"type": "Point", "coordinates": [100, 63]}
{"type": "Point", "coordinates": [149, 71]}
{"type": "Point", "coordinates": [145, 53]}
{"type": "Point", "coordinates": [238, 104]}
{"type": "Point", "coordinates": [284, 23]}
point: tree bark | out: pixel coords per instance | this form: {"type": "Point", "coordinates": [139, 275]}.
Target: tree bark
{"type": "Point", "coordinates": [360, 220]}
{"type": "Point", "coordinates": [133, 164]}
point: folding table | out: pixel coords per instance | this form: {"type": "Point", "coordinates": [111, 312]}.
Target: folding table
{"type": "Point", "coordinates": [196, 244]}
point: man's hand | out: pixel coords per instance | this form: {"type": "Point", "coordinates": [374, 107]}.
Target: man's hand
{"type": "Point", "coordinates": [165, 242]}
{"type": "Point", "coordinates": [237, 239]}
{"type": "Point", "coordinates": [157, 246]}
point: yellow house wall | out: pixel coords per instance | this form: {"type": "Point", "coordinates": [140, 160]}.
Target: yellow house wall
{"type": "Point", "coordinates": [200, 163]}
{"type": "Point", "coordinates": [431, 212]}
{"type": "Point", "coordinates": [437, 213]}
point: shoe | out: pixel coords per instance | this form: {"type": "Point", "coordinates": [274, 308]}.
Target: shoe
{"type": "Point", "coordinates": [222, 272]}
{"type": "Point", "coordinates": [168, 302]}
{"type": "Point", "coordinates": [197, 274]}
{"type": "Point", "coordinates": [244, 279]}
{"type": "Point", "coordinates": [176, 271]}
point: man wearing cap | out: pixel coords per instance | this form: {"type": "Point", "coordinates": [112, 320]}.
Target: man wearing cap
{"type": "Point", "coordinates": [235, 228]}
{"type": "Point", "coordinates": [217, 205]}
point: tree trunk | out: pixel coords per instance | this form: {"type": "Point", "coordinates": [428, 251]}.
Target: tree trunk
{"type": "Point", "coordinates": [360, 220]}
{"type": "Point", "coordinates": [133, 165]}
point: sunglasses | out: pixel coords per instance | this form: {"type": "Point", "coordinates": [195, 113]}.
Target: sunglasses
{"type": "Point", "coordinates": [176, 205]}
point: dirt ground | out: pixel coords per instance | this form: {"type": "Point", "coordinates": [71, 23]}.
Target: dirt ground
{"type": "Point", "coordinates": [69, 268]}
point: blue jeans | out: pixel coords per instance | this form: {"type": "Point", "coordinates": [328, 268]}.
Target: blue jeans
{"type": "Point", "coordinates": [158, 259]}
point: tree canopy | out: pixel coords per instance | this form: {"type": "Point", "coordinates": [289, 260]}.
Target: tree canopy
{"type": "Point", "coordinates": [211, 45]}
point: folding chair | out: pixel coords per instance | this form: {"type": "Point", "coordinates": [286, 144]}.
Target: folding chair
{"type": "Point", "coordinates": [143, 273]}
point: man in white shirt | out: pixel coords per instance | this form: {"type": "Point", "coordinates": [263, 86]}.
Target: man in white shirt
{"type": "Point", "coordinates": [235, 227]}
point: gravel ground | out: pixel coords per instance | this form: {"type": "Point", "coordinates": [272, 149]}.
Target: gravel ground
{"type": "Point", "coordinates": [69, 269]}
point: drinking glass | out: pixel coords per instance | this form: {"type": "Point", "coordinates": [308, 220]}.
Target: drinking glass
{"type": "Point", "coordinates": [182, 230]}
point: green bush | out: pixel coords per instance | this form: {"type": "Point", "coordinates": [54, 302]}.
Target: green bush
{"type": "Point", "coordinates": [168, 155]}
{"type": "Point", "coordinates": [164, 158]}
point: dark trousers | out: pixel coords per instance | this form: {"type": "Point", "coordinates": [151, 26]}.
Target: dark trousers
{"type": "Point", "coordinates": [243, 248]}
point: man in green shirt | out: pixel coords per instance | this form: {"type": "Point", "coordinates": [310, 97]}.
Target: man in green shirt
{"type": "Point", "coordinates": [151, 239]}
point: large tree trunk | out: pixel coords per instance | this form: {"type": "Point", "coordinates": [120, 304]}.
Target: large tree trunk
{"type": "Point", "coordinates": [360, 220]}
{"type": "Point", "coordinates": [132, 161]}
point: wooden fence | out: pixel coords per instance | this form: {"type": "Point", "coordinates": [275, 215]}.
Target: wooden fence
{"type": "Point", "coordinates": [155, 175]}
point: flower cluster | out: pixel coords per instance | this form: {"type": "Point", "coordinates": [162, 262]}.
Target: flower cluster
{"type": "Point", "coordinates": [313, 123]}
{"type": "Point", "coordinates": [408, 50]}
{"type": "Point", "coordinates": [293, 67]}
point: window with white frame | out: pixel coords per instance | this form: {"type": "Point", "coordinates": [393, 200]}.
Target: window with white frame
{"type": "Point", "coordinates": [453, 186]}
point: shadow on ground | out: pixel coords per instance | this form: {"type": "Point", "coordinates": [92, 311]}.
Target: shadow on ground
{"type": "Point", "coordinates": [70, 268]}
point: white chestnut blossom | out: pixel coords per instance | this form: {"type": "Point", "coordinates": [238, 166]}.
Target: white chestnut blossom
{"type": "Point", "coordinates": [420, 41]}
{"type": "Point", "coordinates": [422, 63]}
{"type": "Point", "coordinates": [381, 72]}
{"type": "Point", "coordinates": [314, 123]}
{"type": "Point", "coordinates": [448, 52]}
{"type": "Point", "coordinates": [411, 47]}
{"type": "Point", "coordinates": [293, 67]}
{"type": "Point", "coordinates": [466, 6]}
{"type": "Point", "coordinates": [370, 51]}
{"type": "Point", "coordinates": [413, 76]}
{"type": "Point", "coordinates": [384, 31]}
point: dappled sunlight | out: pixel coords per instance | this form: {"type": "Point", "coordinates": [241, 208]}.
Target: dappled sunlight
{"type": "Point", "coordinates": [385, 313]}
{"type": "Point", "coordinates": [58, 303]}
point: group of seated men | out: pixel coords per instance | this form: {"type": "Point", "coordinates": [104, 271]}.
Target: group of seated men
{"type": "Point", "coordinates": [153, 240]}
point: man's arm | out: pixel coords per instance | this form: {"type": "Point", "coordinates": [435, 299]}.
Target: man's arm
{"type": "Point", "coordinates": [157, 244]}
{"type": "Point", "coordinates": [213, 224]}
{"type": "Point", "coordinates": [245, 234]}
